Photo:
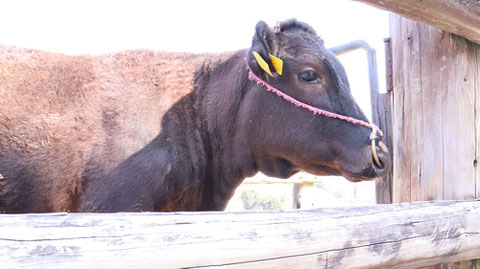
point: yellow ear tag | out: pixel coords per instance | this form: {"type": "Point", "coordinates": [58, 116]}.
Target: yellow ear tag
{"type": "Point", "coordinates": [262, 63]}
{"type": "Point", "coordinates": [277, 64]}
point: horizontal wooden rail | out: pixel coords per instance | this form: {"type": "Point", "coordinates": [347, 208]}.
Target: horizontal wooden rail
{"type": "Point", "coordinates": [393, 236]}
{"type": "Point", "coordinates": [454, 16]}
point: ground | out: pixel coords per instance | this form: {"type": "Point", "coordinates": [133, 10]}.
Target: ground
{"type": "Point", "coordinates": [331, 192]}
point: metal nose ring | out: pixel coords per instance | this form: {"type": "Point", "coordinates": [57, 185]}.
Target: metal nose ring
{"type": "Point", "coordinates": [373, 138]}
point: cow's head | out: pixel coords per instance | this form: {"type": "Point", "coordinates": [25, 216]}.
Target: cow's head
{"type": "Point", "coordinates": [285, 138]}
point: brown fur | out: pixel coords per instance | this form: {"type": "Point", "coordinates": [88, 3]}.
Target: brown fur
{"type": "Point", "coordinates": [54, 106]}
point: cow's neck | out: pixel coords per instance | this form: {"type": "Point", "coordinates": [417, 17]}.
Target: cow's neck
{"type": "Point", "coordinates": [221, 87]}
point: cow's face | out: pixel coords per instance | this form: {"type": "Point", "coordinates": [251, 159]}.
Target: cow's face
{"type": "Point", "coordinates": [286, 138]}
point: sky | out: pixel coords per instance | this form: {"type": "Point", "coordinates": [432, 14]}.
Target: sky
{"type": "Point", "coordinates": [209, 25]}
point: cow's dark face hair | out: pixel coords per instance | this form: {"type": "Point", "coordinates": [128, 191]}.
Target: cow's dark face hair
{"type": "Point", "coordinates": [286, 138]}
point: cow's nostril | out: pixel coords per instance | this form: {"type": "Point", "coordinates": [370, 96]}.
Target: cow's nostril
{"type": "Point", "coordinates": [383, 146]}
{"type": "Point", "coordinates": [385, 161]}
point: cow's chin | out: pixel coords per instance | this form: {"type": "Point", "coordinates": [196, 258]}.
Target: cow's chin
{"type": "Point", "coordinates": [367, 173]}
{"type": "Point", "coordinates": [356, 178]}
{"type": "Point", "coordinates": [352, 177]}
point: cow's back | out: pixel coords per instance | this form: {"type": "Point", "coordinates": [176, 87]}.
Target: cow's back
{"type": "Point", "coordinates": [67, 119]}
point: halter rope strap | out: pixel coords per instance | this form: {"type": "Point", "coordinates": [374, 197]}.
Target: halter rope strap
{"type": "Point", "coordinates": [376, 132]}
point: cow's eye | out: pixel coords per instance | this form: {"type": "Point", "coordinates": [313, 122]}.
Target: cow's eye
{"type": "Point", "coordinates": [308, 76]}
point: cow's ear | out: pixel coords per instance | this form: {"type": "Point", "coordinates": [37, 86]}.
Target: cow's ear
{"type": "Point", "coordinates": [259, 55]}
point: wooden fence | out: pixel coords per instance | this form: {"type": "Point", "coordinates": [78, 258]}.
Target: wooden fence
{"type": "Point", "coordinates": [394, 236]}
{"type": "Point", "coordinates": [454, 16]}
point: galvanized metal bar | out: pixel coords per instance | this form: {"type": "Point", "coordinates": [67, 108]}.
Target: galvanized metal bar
{"type": "Point", "coordinates": [372, 69]}
{"type": "Point", "coordinates": [388, 64]}
{"type": "Point", "coordinates": [380, 105]}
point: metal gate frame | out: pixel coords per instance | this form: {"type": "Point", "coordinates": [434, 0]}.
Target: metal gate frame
{"type": "Point", "coordinates": [381, 104]}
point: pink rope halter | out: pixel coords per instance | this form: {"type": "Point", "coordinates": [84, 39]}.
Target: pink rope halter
{"type": "Point", "coordinates": [376, 132]}
{"type": "Point", "coordinates": [259, 81]}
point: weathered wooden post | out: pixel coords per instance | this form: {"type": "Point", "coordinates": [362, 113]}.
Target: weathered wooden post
{"type": "Point", "coordinates": [436, 79]}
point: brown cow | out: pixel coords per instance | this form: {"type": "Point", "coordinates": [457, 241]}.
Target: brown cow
{"type": "Point", "coordinates": [158, 131]}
